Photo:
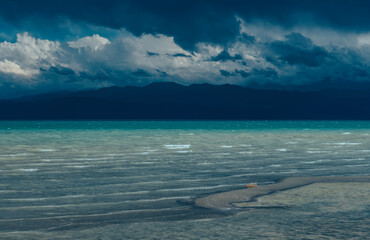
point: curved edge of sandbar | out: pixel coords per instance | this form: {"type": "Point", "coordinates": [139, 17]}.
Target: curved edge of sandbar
{"type": "Point", "coordinates": [225, 200]}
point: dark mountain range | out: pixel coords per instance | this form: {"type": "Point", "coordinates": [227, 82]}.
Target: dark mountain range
{"type": "Point", "coordinates": [198, 101]}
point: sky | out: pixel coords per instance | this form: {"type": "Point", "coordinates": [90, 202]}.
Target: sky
{"type": "Point", "coordinates": [51, 46]}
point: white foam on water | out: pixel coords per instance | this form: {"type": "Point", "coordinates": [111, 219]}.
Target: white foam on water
{"type": "Point", "coordinates": [78, 166]}
{"type": "Point", "coordinates": [204, 163]}
{"type": "Point", "coordinates": [364, 150]}
{"type": "Point", "coordinates": [184, 146]}
{"type": "Point", "coordinates": [316, 161]}
{"type": "Point", "coordinates": [281, 149]}
{"type": "Point", "coordinates": [226, 146]}
{"type": "Point", "coordinates": [46, 160]}
{"type": "Point", "coordinates": [245, 145]}
{"type": "Point", "coordinates": [14, 155]}
{"type": "Point", "coordinates": [47, 150]}
{"type": "Point", "coordinates": [116, 154]}
{"type": "Point", "coordinates": [345, 143]}
{"type": "Point", "coordinates": [248, 152]}
{"type": "Point", "coordinates": [28, 169]}
{"type": "Point", "coordinates": [292, 142]}
{"type": "Point", "coordinates": [184, 151]}
{"type": "Point", "coordinates": [353, 159]}
{"type": "Point", "coordinates": [91, 159]}
{"type": "Point", "coordinates": [275, 165]}
{"type": "Point", "coordinates": [346, 133]}
{"type": "Point", "coordinates": [359, 165]}
{"type": "Point", "coordinates": [317, 151]}
{"type": "Point", "coordinates": [287, 172]}
{"type": "Point", "coordinates": [44, 199]}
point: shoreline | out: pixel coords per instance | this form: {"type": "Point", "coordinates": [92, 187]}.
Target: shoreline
{"type": "Point", "coordinates": [227, 200]}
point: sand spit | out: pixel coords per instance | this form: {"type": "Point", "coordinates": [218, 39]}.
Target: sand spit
{"type": "Point", "coordinates": [227, 200]}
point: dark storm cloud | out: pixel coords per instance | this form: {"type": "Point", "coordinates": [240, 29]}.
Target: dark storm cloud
{"type": "Point", "coordinates": [191, 21]}
{"type": "Point", "coordinates": [91, 44]}
{"type": "Point", "coordinates": [225, 55]}
{"type": "Point", "coordinates": [264, 73]}
{"type": "Point", "coordinates": [152, 54]}
{"type": "Point", "coordinates": [242, 73]}
{"type": "Point", "coordinates": [162, 74]}
{"type": "Point", "coordinates": [226, 73]}
{"type": "Point", "coordinates": [61, 70]}
{"type": "Point", "coordinates": [141, 73]}
{"type": "Point", "coordinates": [180, 55]}
{"type": "Point", "coordinates": [236, 72]}
{"type": "Point", "coordinates": [297, 49]}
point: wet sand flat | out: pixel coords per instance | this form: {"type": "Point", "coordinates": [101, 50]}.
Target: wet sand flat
{"type": "Point", "coordinates": [228, 200]}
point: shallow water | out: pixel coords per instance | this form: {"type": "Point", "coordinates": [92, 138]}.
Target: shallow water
{"type": "Point", "coordinates": [135, 180]}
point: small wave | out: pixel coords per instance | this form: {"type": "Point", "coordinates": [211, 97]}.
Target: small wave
{"type": "Point", "coordinates": [95, 214]}
{"type": "Point", "coordinates": [116, 154]}
{"type": "Point", "coordinates": [353, 159]}
{"type": "Point", "coordinates": [94, 204]}
{"type": "Point", "coordinates": [184, 151]}
{"type": "Point", "coordinates": [78, 166]}
{"type": "Point", "coordinates": [275, 165]}
{"type": "Point", "coordinates": [184, 146]}
{"type": "Point", "coordinates": [346, 133]}
{"type": "Point", "coordinates": [47, 150]}
{"type": "Point", "coordinates": [91, 159]}
{"type": "Point", "coordinates": [152, 150]}
{"type": "Point", "coordinates": [221, 154]}
{"type": "Point", "coordinates": [281, 149]}
{"type": "Point", "coordinates": [316, 161]}
{"type": "Point", "coordinates": [248, 152]}
{"type": "Point", "coordinates": [359, 165]}
{"type": "Point", "coordinates": [159, 199]}
{"type": "Point", "coordinates": [14, 155]}
{"type": "Point", "coordinates": [194, 188]}
{"type": "Point", "coordinates": [28, 169]}
{"type": "Point", "coordinates": [317, 151]}
{"type": "Point", "coordinates": [226, 146]}
{"type": "Point", "coordinates": [345, 143]}
{"type": "Point", "coordinates": [147, 163]}
{"type": "Point", "coordinates": [205, 163]}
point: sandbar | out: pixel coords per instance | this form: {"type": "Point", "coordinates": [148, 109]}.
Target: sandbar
{"type": "Point", "coordinates": [228, 200]}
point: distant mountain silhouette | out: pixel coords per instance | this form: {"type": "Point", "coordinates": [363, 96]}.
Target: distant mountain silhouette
{"type": "Point", "coordinates": [197, 101]}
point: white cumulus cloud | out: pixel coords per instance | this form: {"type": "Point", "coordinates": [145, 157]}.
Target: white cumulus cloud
{"type": "Point", "coordinates": [94, 42]}
{"type": "Point", "coordinates": [13, 68]}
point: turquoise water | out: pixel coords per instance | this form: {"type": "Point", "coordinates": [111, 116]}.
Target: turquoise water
{"type": "Point", "coordinates": [137, 180]}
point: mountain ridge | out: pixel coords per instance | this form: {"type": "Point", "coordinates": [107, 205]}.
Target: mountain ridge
{"type": "Point", "coordinates": [173, 101]}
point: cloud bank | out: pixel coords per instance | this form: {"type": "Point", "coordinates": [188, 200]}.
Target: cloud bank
{"type": "Point", "coordinates": [304, 50]}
